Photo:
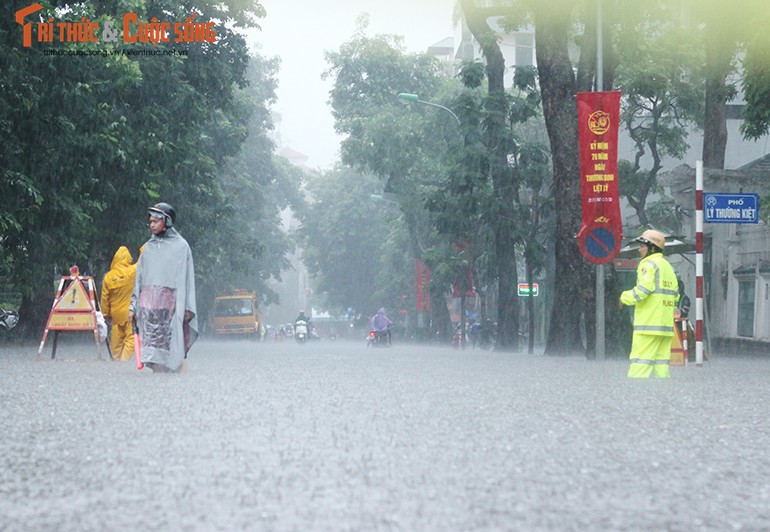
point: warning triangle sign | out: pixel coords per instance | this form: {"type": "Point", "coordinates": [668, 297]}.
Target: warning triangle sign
{"type": "Point", "coordinates": [75, 297]}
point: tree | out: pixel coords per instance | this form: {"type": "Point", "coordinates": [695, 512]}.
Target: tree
{"type": "Point", "coordinates": [108, 135]}
{"type": "Point", "coordinates": [756, 81]}
{"type": "Point", "coordinates": [245, 244]}
{"type": "Point", "coordinates": [662, 96]}
{"type": "Point", "coordinates": [406, 149]}
{"type": "Point", "coordinates": [343, 232]}
{"type": "Point", "coordinates": [504, 180]}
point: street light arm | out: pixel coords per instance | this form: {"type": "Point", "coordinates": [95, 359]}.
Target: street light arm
{"type": "Point", "coordinates": [406, 97]}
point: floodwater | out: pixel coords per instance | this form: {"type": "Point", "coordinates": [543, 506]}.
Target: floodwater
{"type": "Point", "coordinates": [334, 436]}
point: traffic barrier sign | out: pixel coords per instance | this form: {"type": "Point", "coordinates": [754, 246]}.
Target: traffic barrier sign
{"type": "Point", "coordinates": [73, 309]}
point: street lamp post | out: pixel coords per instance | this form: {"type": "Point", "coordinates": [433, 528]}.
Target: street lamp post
{"type": "Point", "coordinates": [382, 198]}
{"type": "Point", "coordinates": [407, 98]}
{"type": "Point", "coordinates": [599, 348]}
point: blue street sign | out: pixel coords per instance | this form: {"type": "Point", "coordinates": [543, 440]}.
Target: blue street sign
{"type": "Point", "coordinates": [731, 208]}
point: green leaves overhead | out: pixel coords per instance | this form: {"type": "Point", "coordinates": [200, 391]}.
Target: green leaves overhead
{"type": "Point", "coordinates": [91, 141]}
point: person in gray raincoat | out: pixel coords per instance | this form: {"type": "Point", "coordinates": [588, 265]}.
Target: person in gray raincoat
{"type": "Point", "coordinates": [163, 300]}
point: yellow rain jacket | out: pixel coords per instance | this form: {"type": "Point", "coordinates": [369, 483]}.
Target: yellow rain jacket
{"type": "Point", "coordinates": [654, 296]}
{"type": "Point", "coordinates": [117, 287]}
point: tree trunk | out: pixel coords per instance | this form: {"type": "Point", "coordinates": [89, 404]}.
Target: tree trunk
{"type": "Point", "coordinates": [718, 65]}
{"type": "Point", "coordinates": [440, 319]}
{"type": "Point", "coordinates": [501, 176]}
{"type": "Point", "coordinates": [36, 305]}
{"type": "Point", "coordinates": [573, 286]}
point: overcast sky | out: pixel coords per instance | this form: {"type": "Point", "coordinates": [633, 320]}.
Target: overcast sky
{"type": "Point", "coordinates": [299, 31]}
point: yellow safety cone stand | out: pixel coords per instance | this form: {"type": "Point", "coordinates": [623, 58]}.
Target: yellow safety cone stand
{"type": "Point", "coordinates": [679, 343]}
{"type": "Point", "coordinates": [74, 309]}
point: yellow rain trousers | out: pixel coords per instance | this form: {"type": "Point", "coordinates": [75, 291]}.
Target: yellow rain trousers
{"type": "Point", "coordinates": [654, 297]}
{"type": "Point", "coordinates": [117, 287]}
{"type": "Point", "coordinates": [650, 355]}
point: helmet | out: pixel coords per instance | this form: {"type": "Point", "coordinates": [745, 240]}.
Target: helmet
{"type": "Point", "coordinates": [652, 237]}
{"type": "Point", "coordinates": [165, 210]}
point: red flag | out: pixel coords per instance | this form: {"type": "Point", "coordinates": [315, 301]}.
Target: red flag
{"type": "Point", "coordinates": [601, 235]}
{"type": "Point", "coordinates": [457, 286]}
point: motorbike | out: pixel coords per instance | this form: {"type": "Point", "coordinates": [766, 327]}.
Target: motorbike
{"type": "Point", "coordinates": [487, 336]}
{"type": "Point", "coordinates": [8, 319]}
{"type": "Point", "coordinates": [377, 339]}
{"type": "Point", "coordinates": [301, 331]}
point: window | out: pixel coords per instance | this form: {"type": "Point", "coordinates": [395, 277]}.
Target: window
{"type": "Point", "coordinates": [525, 48]}
{"type": "Point", "coordinates": [746, 308]}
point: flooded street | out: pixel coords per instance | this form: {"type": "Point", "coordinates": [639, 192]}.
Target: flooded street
{"type": "Point", "coordinates": [334, 436]}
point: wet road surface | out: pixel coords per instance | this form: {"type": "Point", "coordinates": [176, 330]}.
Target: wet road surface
{"type": "Point", "coordinates": [333, 436]}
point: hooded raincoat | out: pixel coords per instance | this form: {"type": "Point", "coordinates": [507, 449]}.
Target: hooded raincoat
{"type": "Point", "coordinates": [380, 321]}
{"type": "Point", "coordinates": [163, 292]}
{"type": "Point", "coordinates": [117, 286]}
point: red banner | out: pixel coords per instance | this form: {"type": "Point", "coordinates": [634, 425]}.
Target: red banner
{"type": "Point", "coordinates": [457, 288]}
{"type": "Point", "coordinates": [601, 235]}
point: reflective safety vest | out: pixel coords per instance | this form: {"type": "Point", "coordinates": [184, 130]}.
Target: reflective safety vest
{"type": "Point", "coordinates": [654, 296]}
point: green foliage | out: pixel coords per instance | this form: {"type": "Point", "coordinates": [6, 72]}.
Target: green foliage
{"type": "Point", "coordinates": [472, 74]}
{"type": "Point", "coordinates": [662, 93]}
{"type": "Point", "coordinates": [344, 234]}
{"type": "Point", "coordinates": [405, 147]}
{"type": "Point", "coordinates": [92, 141]}
{"type": "Point", "coordinates": [666, 215]}
{"type": "Point", "coordinates": [380, 134]}
{"type": "Point", "coordinates": [756, 87]}
{"type": "Point", "coordinates": [244, 244]}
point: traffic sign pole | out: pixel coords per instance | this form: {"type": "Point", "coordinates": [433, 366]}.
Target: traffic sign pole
{"type": "Point", "coordinates": [699, 264]}
{"type": "Point", "coordinates": [599, 351]}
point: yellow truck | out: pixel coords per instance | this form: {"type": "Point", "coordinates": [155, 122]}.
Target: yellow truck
{"type": "Point", "coordinates": [237, 313]}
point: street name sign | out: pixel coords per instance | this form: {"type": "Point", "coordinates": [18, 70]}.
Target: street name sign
{"type": "Point", "coordinates": [731, 208]}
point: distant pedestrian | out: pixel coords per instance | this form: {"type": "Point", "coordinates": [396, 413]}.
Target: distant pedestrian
{"type": "Point", "coordinates": [163, 300]}
{"type": "Point", "coordinates": [654, 296]}
{"type": "Point", "coordinates": [117, 286]}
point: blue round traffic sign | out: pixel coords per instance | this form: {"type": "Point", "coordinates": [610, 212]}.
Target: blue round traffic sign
{"type": "Point", "coordinates": [599, 244]}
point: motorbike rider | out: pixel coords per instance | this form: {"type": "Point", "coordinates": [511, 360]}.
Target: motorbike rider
{"type": "Point", "coordinates": [380, 324]}
{"type": "Point", "coordinates": [302, 317]}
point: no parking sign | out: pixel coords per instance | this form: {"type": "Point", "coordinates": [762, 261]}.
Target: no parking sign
{"type": "Point", "coordinates": [600, 243]}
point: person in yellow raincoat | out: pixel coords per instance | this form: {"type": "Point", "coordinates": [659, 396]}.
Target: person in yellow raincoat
{"type": "Point", "coordinates": [654, 297]}
{"type": "Point", "coordinates": [117, 286]}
